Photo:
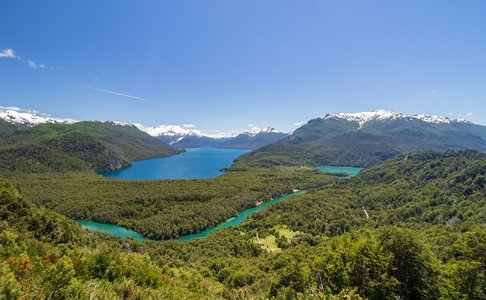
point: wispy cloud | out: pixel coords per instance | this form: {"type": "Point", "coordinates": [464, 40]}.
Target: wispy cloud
{"type": "Point", "coordinates": [189, 125]}
{"type": "Point", "coordinates": [298, 123]}
{"type": "Point", "coordinates": [32, 64]}
{"type": "Point", "coordinates": [251, 125]}
{"type": "Point", "coordinates": [435, 94]}
{"type": "Point", "coordinates": [7, 53]}
{"type": "Point", "coordinates": [114, 93]}
{"type": "Point", "coordinates": [469, 114]}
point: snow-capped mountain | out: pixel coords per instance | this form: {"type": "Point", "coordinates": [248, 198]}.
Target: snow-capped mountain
{"type": "Point", "coordinates": [189, 137]}
{"type": "Point", "coordinates": [256, 130]}
{"type": "Point", "coordinates": [16, 115]}
{"type": "Point", "coordinates": [169, 130]}
{"type": "Point", "coordinates": [366, 138]}
{"type": "Point", "coordinates": [178, 131]}
{"type": "Point", "coordinates": [185, 136]}
{"type": "Point", "coordinates": [119, 123]}
{"type": "Point", "coordinates": [174, 134]}
{"type": "Point", "coordinates": [382, 115]}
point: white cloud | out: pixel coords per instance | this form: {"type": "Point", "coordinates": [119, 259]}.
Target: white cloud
{"type": "Point", "coordinates": [10, 53]}
{"type": "Point", "coordinates": [34, 65]}
{"type": "Point", "coordinates": [469, 114]}
{"type": "Point", "coordinates": [250, 125]}
{"type": "Point", "coordinates": [298, 123]}
{"type": "Point", "coordinates": [7, 53]}
{"type": "Point", "coordinates": [189, 125]}
{"type": "Point", "coordinates": [433, 91]}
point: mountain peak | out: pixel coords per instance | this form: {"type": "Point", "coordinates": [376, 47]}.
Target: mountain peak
{"type": "Point", "coordinates": [118, 123]}
{"type": "Point", "coordinates": [169, 130]}
{"type": "Point", "coordinates": [16, 115]}
{"type": "Point", "coordinates": [256, 130]}
{"type": "Point", "coordinates": [382, 115]}
{"type": "Point", "coordinates": [179, 132]}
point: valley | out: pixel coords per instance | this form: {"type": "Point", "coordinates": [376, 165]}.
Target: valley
{"type": "Point", "coordinates": [261, 229]}
{"type": "Point", "coordinates": [243, 150]}
{"type": "Point", "coordinates": [232, 222]}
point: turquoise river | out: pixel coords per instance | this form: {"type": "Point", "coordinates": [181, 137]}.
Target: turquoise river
{"type": "Point", "coordinates": [235, 221]}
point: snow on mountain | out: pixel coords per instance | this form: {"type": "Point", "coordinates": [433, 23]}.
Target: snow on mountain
{"type": "Point", "coordinates": [381, 115]}
{"type": "Point", "coordinates": [256, 130]}
{"type": "Point", "coordinates": [16, 115]}
{"type": "Point", "coordinates": [119, 123]}
{"type": "Point", "coordinates": [168, 130]}
{"type": "Point", "coordinates": [179, 131]}
{"type": "Point", "coordinates": [32, 118]}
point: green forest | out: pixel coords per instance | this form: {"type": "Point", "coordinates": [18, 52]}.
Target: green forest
{"type": "Point", "coordinates": [164, 209]}
{"type": "Point", "coordinates": [412, 227]}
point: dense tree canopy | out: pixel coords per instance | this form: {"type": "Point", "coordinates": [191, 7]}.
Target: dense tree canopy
{"type": "Point", "coordinates": [410, 228]}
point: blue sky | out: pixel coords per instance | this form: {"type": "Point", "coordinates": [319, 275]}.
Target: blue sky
{"type": "Point", "coordinates": [222, 65]}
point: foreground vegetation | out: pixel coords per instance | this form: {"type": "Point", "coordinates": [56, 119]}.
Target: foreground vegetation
{"type": "Point", "coordinates": [46, 256]}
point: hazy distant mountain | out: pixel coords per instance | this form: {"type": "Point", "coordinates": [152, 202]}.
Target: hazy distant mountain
{"type": "Point", "coordinates": [176, 135]}
{"type": "Point", "coordinates": [182, 137]}
{"type": "Point", "coordinates": [254, 139]}
{"type": "Point", "coordinates": [361, 139]}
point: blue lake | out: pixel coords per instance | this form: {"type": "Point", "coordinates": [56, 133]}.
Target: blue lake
{"type": "Point", "coordinates": [195, 163]}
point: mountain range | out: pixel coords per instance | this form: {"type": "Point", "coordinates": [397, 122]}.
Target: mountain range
{"type": "Point", "coordinates": [12, 119]}
{"type": "Point", "coordinates": [180, 137]}
{"type": "Point", "coordinates": [353, 139]}
{"type": "Point", "coordinates": [365, 138]}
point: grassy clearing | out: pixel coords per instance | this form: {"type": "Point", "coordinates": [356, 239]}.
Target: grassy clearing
{"type": "Point", "coordinates": [269, 243]}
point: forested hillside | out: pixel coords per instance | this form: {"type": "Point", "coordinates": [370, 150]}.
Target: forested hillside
{"type": "Point", "coordinates": [46, 256]}
{"type": "Point", "coordinates": [77, 147]}
{"type": "Point", "coordinates": [410, 228]}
